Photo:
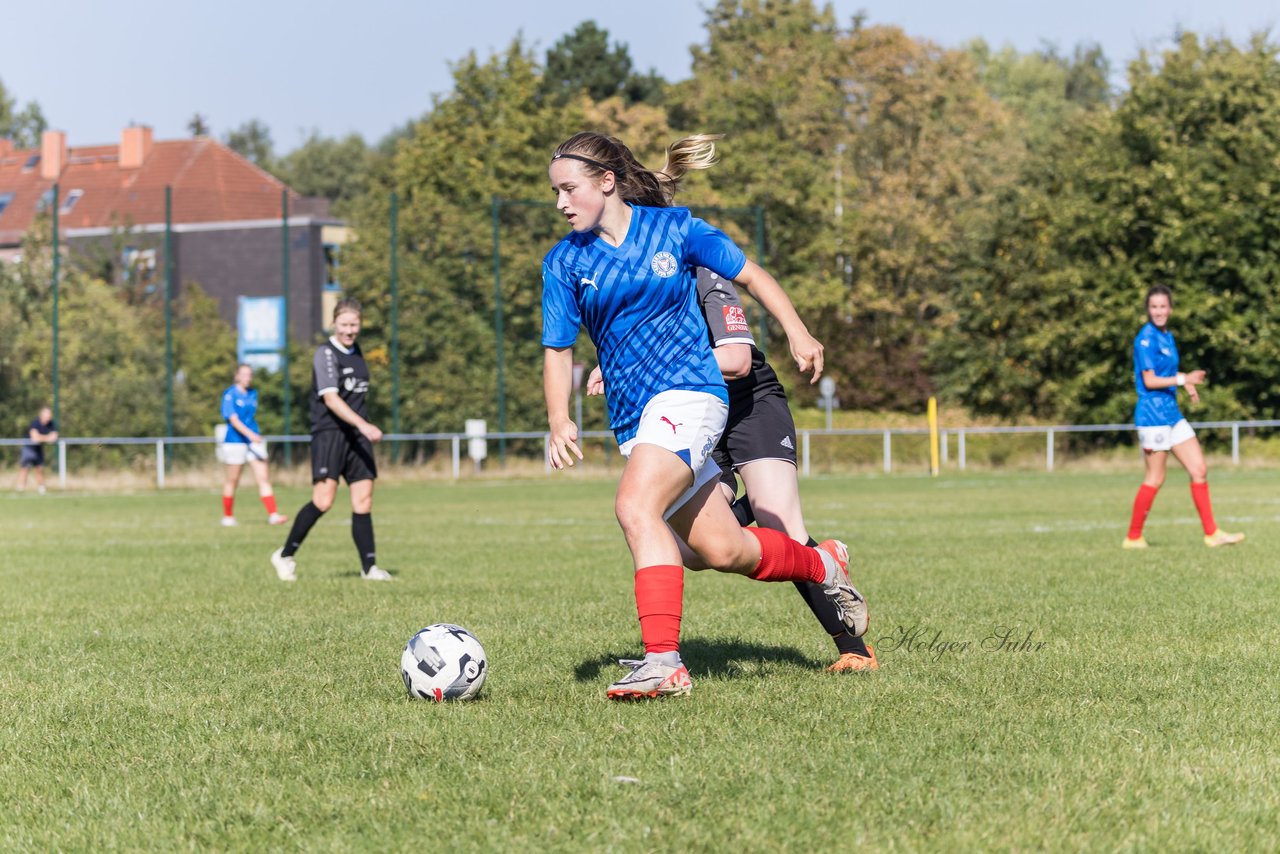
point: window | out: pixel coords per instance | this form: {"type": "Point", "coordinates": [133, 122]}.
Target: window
{"type": "Point", "coordinates": [139, 266]}
{"type": "Point", "coordinates": [46, 199]}
{"type": "Point", "coordinates": [70, 201]}
{"type": "Point", "coordinates": [31, 163]}
{"type": "Point", "coordinates": [5, 198]}
{"type": "Point", "coordinates": [331, 261]}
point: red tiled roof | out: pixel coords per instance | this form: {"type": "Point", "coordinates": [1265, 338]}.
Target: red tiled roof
{"type": "Point", "coordinates": [211, 183]}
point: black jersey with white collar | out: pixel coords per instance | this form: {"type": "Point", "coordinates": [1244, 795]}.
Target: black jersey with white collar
{"type": "Point", "coordinates": [337, 369]}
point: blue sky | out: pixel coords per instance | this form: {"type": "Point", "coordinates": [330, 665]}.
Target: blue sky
{"type": "Point", "coordinates": [368, 67]}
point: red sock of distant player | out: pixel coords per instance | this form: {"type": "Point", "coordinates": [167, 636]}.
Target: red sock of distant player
{"type": "Point", "coordinates": [269, 502]}
{"type": "Point", "coordinates": [1200, 495]}
{"type": "Point", "coordinates": [227, 504]}
{"type": "Point", "coordinates": [1141, 507]}
{"type": "Point", "coordinates": [659, 602]}
{"type": "Point", "coordinates": [783, 559]}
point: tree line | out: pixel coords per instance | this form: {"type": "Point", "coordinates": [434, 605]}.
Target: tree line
{"type": "Point", "coordinates": [974, 223]}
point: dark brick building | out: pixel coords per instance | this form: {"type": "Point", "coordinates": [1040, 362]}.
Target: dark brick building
{"type": "Point", "coordinates": [228, 231]}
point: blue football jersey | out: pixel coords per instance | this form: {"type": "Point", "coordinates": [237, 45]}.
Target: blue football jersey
{"type": "Point", "coordinates": [1154, 350]}
{"type": "Point", "coordinates": [639, 304]}
{"type": "Point", "coordinates": [243, 405]}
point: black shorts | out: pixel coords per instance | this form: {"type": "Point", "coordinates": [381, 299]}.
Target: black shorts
{"type": "Point", "coordinates": [337, 453]}
{"type": "Point", "coordinates": [31, 456]}
{"type": "Point", "coordinates": [758, 428]}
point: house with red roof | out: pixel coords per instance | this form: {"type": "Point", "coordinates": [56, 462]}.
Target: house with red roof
{"type": "Point", "coordinates": [228, 222]}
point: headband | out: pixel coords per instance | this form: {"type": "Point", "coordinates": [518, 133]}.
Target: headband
{"type": "Point", "coordinates": [603, 167]}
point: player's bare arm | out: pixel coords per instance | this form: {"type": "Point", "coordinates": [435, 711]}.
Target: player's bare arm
{"type": "Point", "coordinates": [557, 382]}
{"type": "Point", "coordinates": [339, 408]}
{"type": "Point", "coordinates": [764, 289]}
{"type": "Point", "coordinates": [243, 430]}
{"type": "Point", "coordinates": [1190, 379]}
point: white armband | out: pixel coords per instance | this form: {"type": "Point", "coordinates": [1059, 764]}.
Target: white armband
{"type": "Point", "coordinates": [1182, 379]}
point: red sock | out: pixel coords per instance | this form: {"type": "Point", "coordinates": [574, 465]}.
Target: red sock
{"type": "Point", "coordinates": [1141, 507]}
{"type": "Point", "coordinates": [1200, 495]}
{"type": "Point", "coordinates": [269, 502]}
{"type": "Point", "coordinates": [659, 601]}
{"type": "Point", "coordinates": [227, 504]}
{"type": "Point", "coordinates": [783, 559]}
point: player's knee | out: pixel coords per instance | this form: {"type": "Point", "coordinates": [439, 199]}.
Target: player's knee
{"type": "Point", "coordinates": [632, 517]}
{"type": "Point", "coordinates": [322, 502]}
{"type": "Point", "coordinates": [723, 554]}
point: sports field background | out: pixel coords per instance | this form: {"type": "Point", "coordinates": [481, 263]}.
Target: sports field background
{"type": "Point", "coordinates": [160, 689]}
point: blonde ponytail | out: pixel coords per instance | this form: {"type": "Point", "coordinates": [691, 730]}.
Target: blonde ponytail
{"type": "Point", "coordinates": [653, 188]}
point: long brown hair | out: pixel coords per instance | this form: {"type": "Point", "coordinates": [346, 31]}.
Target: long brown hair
{"type": "Point", "coordinates": [599, 153]}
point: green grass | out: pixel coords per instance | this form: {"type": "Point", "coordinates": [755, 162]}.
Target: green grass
{"type": "Point", "coordinates": [160, 689]}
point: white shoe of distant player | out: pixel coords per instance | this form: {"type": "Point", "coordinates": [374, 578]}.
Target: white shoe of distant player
{"type": "Point", "coordinates": [849, 603]}
{"type": "Point", "coordinates": [286, 567]}
{"type": "Point", "coordinates": [277, 519]}
{"type": "Point", "coordinates": [375, 574]}
{"type": "Point", "coordinates": [229, 521]}
{"type": "Point", "coordinates": [40, 490]}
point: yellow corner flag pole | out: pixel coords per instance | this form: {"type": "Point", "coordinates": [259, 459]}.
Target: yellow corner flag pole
{"type": "Point", "coordinates": [933, 436]}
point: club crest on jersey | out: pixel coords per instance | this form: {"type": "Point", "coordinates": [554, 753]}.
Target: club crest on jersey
{"type": "Point", "coordinates": [735, 319]}
{"type": "Point", "coordinates": [664, 264]}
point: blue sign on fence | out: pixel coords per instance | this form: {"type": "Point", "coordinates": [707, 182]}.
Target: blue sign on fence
{"type": "Point", "coordinates": [260, 321]}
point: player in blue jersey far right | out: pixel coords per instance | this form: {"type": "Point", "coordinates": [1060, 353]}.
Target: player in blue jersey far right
{"type": "Point", "coordinates": [626, 273]}
{"type": "Point", "coordinates": [1161, 427]}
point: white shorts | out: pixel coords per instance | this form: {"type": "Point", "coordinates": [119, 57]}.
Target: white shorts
{"type": "Point", "coordinates": [688, 424]}
{"type": "Point", "coordinates": [237, 453]}
{"type": "Point", "coordinates": [1164, 438]}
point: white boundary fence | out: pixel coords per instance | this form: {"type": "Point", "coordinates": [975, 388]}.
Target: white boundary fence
{"type": "Point", "coordinates": [456, 441]}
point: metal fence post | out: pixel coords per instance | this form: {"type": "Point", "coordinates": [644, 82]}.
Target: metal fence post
{"type": "Point", "coordinates": [456, 450]}
{"type": "Point", "coordinates": [62, 464]}
{"type": "Point", "coordinates": [960, 447]}
{"type": "Point", "coordinates": [945, 442]}
{"type": "Point", "coordinates": [160, 464]}
{"type": "Point", "coordinates": [1048, 446]}
{"type": "Point", "coordinates": [546, 453]}
{"type": "Point", "coordinates": [804, 444]}
{"type": "Point", "coordinates": [286, 394]}
{"type": "Point", "coordinates": [888, 452]}
{"type": "Point", "coordinates": [1235, 444]}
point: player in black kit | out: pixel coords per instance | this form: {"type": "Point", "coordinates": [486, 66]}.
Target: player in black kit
{"type": "Point", "coordinates": [759, 443]}
{"type": "Point", "coordinates": [341, 444]}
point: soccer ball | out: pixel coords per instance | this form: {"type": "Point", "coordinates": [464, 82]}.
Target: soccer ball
{"type": "Point", "coordinates": [443, 662]}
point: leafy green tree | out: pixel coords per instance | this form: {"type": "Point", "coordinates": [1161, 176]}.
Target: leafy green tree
{"type": "Point", "coordinates": [583, 61]}
{"type": "Point", "coordinates": [252, 140]}
{"type": "Point", "coordinates": [23, 126]}
{"type": "Point", "coordinates": [1172, 187]}
{"type": "Point", "coordinates": [204, 355]}
{"type": "Point", "coordinates": [875, 156]}
{"type": "Point", "coordinates": [1042, 89]}
{"type": "Point", "coordinates": [334, 169]}
{"type": "Point", "coordinates": [491, 136]}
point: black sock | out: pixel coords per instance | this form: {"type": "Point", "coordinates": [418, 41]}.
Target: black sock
{"type": "Point", "coordinates": [742, 511]}
{"type": "Point", "coordinates": [362, 533]}
{"type": "Point", "coordinates": [307, 516]}
{"type": "Point", "coordinates": [825, 610]}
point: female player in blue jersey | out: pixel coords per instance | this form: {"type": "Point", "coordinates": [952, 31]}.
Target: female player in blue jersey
{"type": "Point", "coordinates": [243, 443]}
{"type": "Point", "coordinates": [1161, 427]}
{"type": "Point", "coordinates": [759, 440]}
{"type": "Point", "coordinates": [626, 274]}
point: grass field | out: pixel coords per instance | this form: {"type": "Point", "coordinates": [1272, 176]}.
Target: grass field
{"type": "Point", "coordinates": [159, 689]}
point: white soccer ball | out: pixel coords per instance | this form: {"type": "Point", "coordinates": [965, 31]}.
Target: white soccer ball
{"type": "Point", "coordinates": [443, 662]}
